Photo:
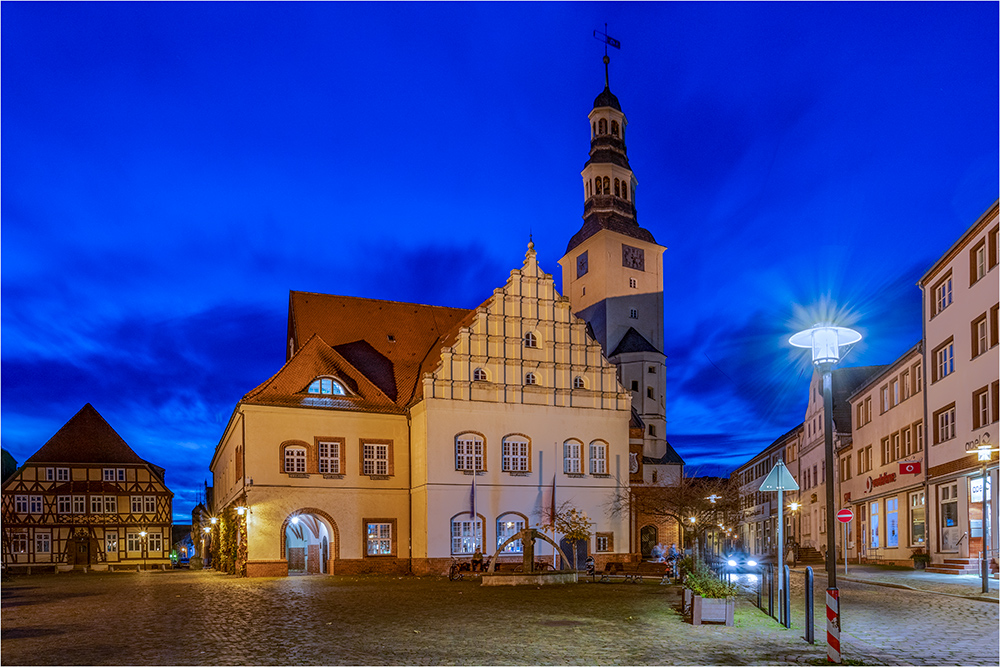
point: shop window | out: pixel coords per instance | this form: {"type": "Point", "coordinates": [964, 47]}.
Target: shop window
{"type": "Point", "coordinates": [874, 517]}
{"type": "Point", "coordinates": [891, 522]}
{"type": "Point", "coordinates": [917, 519]}
{"type": "Point", "coordinates": [951, 532]}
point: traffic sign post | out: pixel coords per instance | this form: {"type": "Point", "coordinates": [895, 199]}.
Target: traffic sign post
{"type": "Point", "coordinates": [779, 479]}
{"type": "Point", "coordinates": [845, 516]}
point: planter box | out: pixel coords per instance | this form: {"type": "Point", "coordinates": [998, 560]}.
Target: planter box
{"type": "Point", "coordinates": [712, 610]}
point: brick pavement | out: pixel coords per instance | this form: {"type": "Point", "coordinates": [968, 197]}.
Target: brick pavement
{"type": "Point", "coordinates": [187, 617]}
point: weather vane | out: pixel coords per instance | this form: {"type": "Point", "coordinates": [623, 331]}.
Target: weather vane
{"type": "Point", "coordinates": [608, 41]}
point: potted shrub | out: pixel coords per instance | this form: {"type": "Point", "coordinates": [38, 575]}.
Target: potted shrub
{"type": "Point", "coordinates": [920, 558]}
{"type": "Point", "coordinates": [708, 599]}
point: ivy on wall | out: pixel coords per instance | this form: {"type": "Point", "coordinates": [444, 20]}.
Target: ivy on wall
{"type": "Point", "coordinates": [229, 551]}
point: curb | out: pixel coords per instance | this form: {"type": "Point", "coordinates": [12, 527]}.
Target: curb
{"type": "Point", "coordinates": [978, 598]}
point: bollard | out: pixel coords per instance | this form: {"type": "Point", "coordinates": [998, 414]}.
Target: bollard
{"type": "Point", "coordinates": [833, 625]}
{"type": "Point", "coordinates": [810, 622]}
{"type": "Point", "coordinates": [770, 591]}
{"type": "Point", "coordinates": [786, 600]}
{"type": "Point", "coordinates": [760, 586]}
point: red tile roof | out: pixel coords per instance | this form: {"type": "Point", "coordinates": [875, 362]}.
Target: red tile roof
{"type": "Point", "coordinates": [391, 344]}
{"type": "Point", "coordinates": [86, 438]}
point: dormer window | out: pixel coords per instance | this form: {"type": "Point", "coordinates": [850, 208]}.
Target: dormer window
{"type": "Point", "coordinates": [326, 387]}
{"type": "Point", "coordinates": [614, 128]}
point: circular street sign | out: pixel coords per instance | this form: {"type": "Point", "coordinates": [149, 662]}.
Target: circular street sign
{"type": "Point", "coordinates": [845, 515]}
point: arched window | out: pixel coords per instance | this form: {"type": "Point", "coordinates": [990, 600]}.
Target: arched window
{"type": "Point", "coordinates": [597, 190]}
{"type": "Point", "coordinates": [607, 185]}
{"type": "Point", "coordinates": [469, 451]}
{"type": "Point", "coordinates": [614, 128]}
{"type": "Point", "coordinates": [624, 190]}
{"type": "Point", "coordinates": [509, 525]}
{"type": "Point", "coordinates": [466, 534]}
{"type": "Point", "coordinates": [326, 386]}
{"type": "Point", "coordinates": [598, 458]}
{"type": "Point", "coordinates": [529, 378]}
{"type": "Point", "coordinates": [515, 454]}
{"type": "Point", "coordinates": [593, 128]}
{"type": "Point", "coordinates": [602, 126]}
{"type": "Point", "coordinates": [578, 383]}
{"type": "Point", "coordinates": [618, 188]}
{"type": "Point", "coordinates": [530, 340]}
{"type": "Point", "coordinates": [479, 375]}
{"type": "Point", "coordinates": [295, 458]}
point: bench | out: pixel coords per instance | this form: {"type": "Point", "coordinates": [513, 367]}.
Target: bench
{"type": "Point", "coordinates": [634, 572]}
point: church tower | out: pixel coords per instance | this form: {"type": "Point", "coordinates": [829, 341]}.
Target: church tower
{"type": "Point", "coordinates": [613, 272]}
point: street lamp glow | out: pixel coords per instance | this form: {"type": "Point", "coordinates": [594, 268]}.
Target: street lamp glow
{"type": "Point", "coordinates": [213, 520]}
{"type": "Point", "coordinates": [794, 506]}
{"type": "Point", "coordinates": [241, 510]}
{"type": "Point", "coordinates": [691, 519]}
{"type": "Point", "coordinates": [207, 529]}
{"type": "Point", "coordinates": [825, 341]}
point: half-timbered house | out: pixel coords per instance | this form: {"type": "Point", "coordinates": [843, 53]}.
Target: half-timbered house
{"type": "Point", "coordinates": [86, 500]}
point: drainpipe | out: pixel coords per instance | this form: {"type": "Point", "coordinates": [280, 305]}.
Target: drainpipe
{"type": "Point", "coordinates": [409, 491]}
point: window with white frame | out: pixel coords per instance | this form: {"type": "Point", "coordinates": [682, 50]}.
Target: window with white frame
{"type": "Point", "coordinates": [111, 504]}
{"type": "Point", "coordinates": [466, 535]}
{"type": "Point", "coordinates": [21, 504]}
{"type": "Point", "coordinates": [43, 543]}
{"type": "Point", "coordinates": [50, 474]}
{"type": "Point", "coordinates": [944, 424]}
{"type": "Point", "coordinates": [571, 457]}
{"type": "Point", "coordinates": [376, 459]}
{"type": "Point", "coordinates": [514, 454]}
{"type": "Point", "coordinates": [97, 504]}
{"type": "Point", "coordinates": [981, 407]}
{"type": "Point", "coordinates": [64, 504]}
{"type": "Point", "coordinates": [529, 378]}
{"type": "Point", "coordinates": [917, 519]}
{"type": "Point", "coordinates": [980, 336]}
{"type": "Point", "coordinates": [978, 262]}
{"type": "Point", "coordinates": [479, 375]}
{"type": "Point", "coordinates": [109, 474]}
{"type": "Point", "coordinates": [79, 504]}
{"type": "Point", "coordinates": [942, 294]}
{"type": "Point", "coordinates": [155, 542]}
{"type": "Point", "coordinates": [469, 452]}
{"type": "Point", "coordinates": [907, 442]}
{"type": "Point", "coordinates": [891, 522]}
{"type": "Point", "coordinates": [19, 543]}
{"type": "Point", "coordinates": [904, 380]}
{"type": "Point", "coordinates": [578, 383]}
{"type": "Point", "coordinates": [598, 458]}
{"type": "Point", "coordinates": [133, 542]}
{"type": "Point", "coordinates": [604, 542]}
{"type": "Point", "coordinates": [149, 504]}
{"type": "Point", "coordinates": [944, 360]}
{"type": "Point", "coordinates": [62, 474]}
{"type": "Point", "coordinates": [111, 542]}
{"type": "Point", "coordinates": [326, 387]}
{"type": "Point", "coordinates": [530, 340]}
{"type": "Point", "coordinates": [136, 504]}
{"type": "Point", "coordinates": [885, 399]}
{"type": "Point", "coordinates": [918, 428]}
{"type": "Point", "coordinates": [918, 377]}
{"type": "Point", "coordinates": [507, 527]}
{"type": "Point", "coordinates": [895, 392]}
{"type": "Point", "coordinates": [875, 515]}
{"type": "Point", "coordinates": [295, 459]}
{"type": "Point", "coordinates": [329, 458]}
{"type": "Point", "coordinates": [121, 474]}
{"type": "Point", "coordinates": [378, 539]}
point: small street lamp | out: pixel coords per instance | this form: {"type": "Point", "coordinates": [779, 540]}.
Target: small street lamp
{"type": "Point", "coordinates": [826, 342]}
{"type": "Point", "coordinates": [984, 452]}
{"type": "Point", "coordinates": [142, 536]}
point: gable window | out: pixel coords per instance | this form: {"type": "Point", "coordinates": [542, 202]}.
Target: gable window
{"type": "Point", "coordinates": [326, 387]}
{"type": "Point", "coordinates": [149, 504]}
{"type": "Point", "coordinates": [50, 474]}
{"type": "Point", "coordinates": [578, 383]}
{"type": "Point", "coordinates": [479, 375]}
{"type": "Point", "coordinates": [375, 459]}
{"type": "Point", "coordinates": [295, 459]}
{"type": "Point", "coordinates": [121, 474]}
{"type": "Point", "coordinates": [466, 534]}
{"type": "Point", "coordinates": [598, 458]}
{"type": "Point", "coordinates": [21, 504]}
{"type": "Point", "coordinates": [571, 457]}
{"type": "Point", "coordinates": [529, 378]}
{"type": "Point", "coordinates": [109, 474]}
{"type": "Point", "coordinates": [378, 537]}
{"type": "Point", "coordinates": [329, 457]}
{"type": "Point", "coordinates": [530, 340]}
{"type": "Point", "coordinates": [508, 526]}
{"type": "Point", "coordinates": [633, 314]}
{"type": "Point", "coordinates": [469, 452]}
{"type": "Point", "coordinates": [136, 504]}
{"type": "Point", "coordinates": [515, 454]}
{"type": "Point", "coordinates": [942, 294]}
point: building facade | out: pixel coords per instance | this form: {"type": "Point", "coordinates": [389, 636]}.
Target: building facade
{"type": "Point", "coordinates": [757, 530]}
{"type": "Point", "coordinates": [962, 398]}
{"type": "Point", "coordinates": [85, 500]}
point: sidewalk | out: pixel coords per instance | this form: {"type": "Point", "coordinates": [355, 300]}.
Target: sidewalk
{"type": "Point", "coordinates": [966, 586]}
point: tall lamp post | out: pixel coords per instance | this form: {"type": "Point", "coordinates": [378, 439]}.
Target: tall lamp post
{"type": "Point", "coordinates": [142, 535]}
{"type": "Point", "coordinates": [826, 342]}
{"type": "Point", "coordinates": [984, 453]}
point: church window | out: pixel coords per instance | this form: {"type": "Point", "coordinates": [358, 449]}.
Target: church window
{"type": "Point", "coordinates": [618, 188]}
{"type": "Point", "coordinates": [607, 185]}
{"type": "Point", "coordinates": [326, 386]}
{"type": "Point", "coordinates": [614, 128]}
{"type": "Point", "coordinates": [593, 128]}
{"type": "Point", "coordinates": [479, 375]}
{"type": "Point", "coordinates": [529, 378]}
{"type": "Point", "coordinates": [469, 450]}
{"type": "Point", "coordinates": [602, 126]}
{"type": "Point", "coordinates": [571, 457]}
{"type": "Point", "coordinates": [598, 458]}
{"type": "Point", "coordinates": [597, 190]}
{"type": "Point", "coordinates": [466, 534]}
{"type": "Point", "coordinates": [530, 340]}
{"type": "Point", "coordinates": [578, 383]}
{"type": "Point", "coordinates": [624, 190]}
{"type": "Point", "coordinates": [633, 314]}
{"type": "Point", "coordinates": [295, 459]}
{"type": "Point", "coordinates": [515, 454]}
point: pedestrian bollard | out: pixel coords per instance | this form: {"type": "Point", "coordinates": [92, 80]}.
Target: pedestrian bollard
{"type": "Point", "coordinates": [770, 591]}
{"type": "Point", "coordinates": [760, 586]}
{"type": "Point", "coordinates": [810, 623]}
{"type": "Point", "coordinates": [786, 600]}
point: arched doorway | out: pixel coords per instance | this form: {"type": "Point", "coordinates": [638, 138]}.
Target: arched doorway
{"type": "Point", "coordinates": [647, 540]}
{"type": "Point", "coordinates": [307, 538]}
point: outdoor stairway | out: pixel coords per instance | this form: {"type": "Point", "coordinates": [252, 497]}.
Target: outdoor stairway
{"type": "Point", "coordinates": [810, 556]}
{"type": "Point", "coordinates": [955, 566]}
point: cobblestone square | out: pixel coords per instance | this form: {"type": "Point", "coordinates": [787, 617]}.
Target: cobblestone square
{"type": "Point", "coordinates": [184, 617]}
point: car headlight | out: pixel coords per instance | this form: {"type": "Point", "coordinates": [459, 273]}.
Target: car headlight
{"type": "Point", "coordinates": [732, 563]}
{"type": "Point", "coordinates": [752, 563]}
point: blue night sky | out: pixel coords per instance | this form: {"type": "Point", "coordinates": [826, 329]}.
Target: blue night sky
{"type": "Point", "coordinates": [170, 171]}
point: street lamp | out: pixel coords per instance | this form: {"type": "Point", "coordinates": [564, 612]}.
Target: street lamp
{"type": "Point", "coordinates": [826, 342]}
{"type": "Point", "coordinates": [984, 452]}
{"type": "Point", "coordinates": [142, 535]}
{"type": "Point", "coordinates": [794, 509]}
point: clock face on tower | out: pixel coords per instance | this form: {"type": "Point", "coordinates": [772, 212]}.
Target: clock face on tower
{"type": "Point", "coordinates": [581, 264]}
{"type": "Point", "coordinates": [633, 258]}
